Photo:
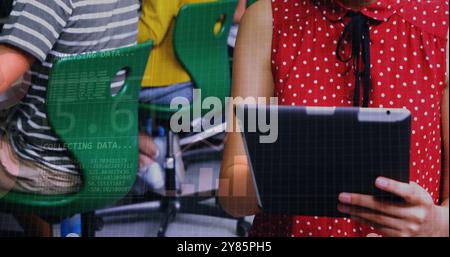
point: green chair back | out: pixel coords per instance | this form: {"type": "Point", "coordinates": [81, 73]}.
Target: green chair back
{"type": "Point", "coordinates": [100, 130]}
{"type": "Point", "coordinates": [250, 2]}
{"type": "Point", "coordinates": [202, 51]}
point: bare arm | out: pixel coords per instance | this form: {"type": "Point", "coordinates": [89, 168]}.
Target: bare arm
{"type": "Point", "coordinates": [240, 10]}
{"type": "Point", "coordinates": [13, 64]}
{"type": "Point", "coordinates": [252, 77]}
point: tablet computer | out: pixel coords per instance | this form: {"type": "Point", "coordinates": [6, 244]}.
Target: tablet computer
{"type": "Point", "coordinates": [322, 152]}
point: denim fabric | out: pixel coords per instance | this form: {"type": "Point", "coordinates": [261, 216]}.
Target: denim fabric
{"type": "Point", "coordinates": [164, 95]}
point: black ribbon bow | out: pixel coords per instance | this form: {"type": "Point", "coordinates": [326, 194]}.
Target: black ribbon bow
{"type": "Point", "coordinates": [358, 30]}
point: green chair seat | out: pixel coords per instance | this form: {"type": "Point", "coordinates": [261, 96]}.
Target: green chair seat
{"type": "Point", "coordinates": [160, 112]}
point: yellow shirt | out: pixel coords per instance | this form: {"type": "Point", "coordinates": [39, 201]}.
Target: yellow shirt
{"type": "Point", "coordinates": [157, 23]}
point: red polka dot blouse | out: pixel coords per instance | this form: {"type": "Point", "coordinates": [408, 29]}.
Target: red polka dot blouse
{"type": "Point", "coordinates": [408, 66]}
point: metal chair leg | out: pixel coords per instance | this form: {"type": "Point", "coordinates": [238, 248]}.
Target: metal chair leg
{"type": "Point", "coordinates": [88, 224]}
{"type": "Point", "coordinates": [169, 201]}
{"type": "Point", "coordinates": [170, 165]}
{"type": "Point", "coordinates": [242, 227]}
{"type": "Point", "coordinates": [168, 215]}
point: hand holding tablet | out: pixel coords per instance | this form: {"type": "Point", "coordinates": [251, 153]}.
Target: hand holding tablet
{"type": "Point", "coordinates": [415, 216]}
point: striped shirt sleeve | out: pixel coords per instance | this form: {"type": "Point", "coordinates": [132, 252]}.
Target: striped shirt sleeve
{"type": "Point", "coordinates": [34, 25]}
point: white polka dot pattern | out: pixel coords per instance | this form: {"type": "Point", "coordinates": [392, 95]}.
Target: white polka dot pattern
{"type": "Point", "coordinates": [408, 66]}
